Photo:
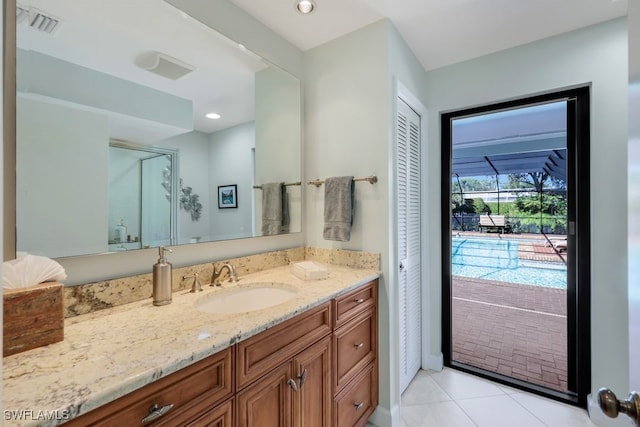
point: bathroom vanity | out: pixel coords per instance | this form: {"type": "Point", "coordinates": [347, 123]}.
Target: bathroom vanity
{"type": "Point", "coordinates": [309, 361]}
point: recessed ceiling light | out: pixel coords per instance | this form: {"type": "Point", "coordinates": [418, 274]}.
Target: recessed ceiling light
{"type": "Point", "coordinates": [213, 116]}
{"type": "Point", "coordinates": [305, 6]}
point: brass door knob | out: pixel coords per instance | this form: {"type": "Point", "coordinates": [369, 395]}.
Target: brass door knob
{"type": "Point", "coordinates": [611, 406]}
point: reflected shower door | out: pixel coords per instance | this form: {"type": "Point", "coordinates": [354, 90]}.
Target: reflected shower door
{"type": "Point", "coordinates": [155, 212]}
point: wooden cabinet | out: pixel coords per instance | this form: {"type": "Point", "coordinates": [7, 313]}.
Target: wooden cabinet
{"type": "Point", "coordinates": [296, 393]}
{"type": "Point", "coordinates": [306, 373]}
{"type": "Point", "coordinates": [355, 356]}
{"type": "Point", "coordinates": [183, 394]}
{"type": "Point", "coordinates": [355, 403]}
{"type": "Point", "coordinates": [284, 373]}
{"type": "Point", "coordinates": [204, 416]}
{"type": "Point", "coordinates": [318, 369]}
{"type": "Point", "coordinates": [312, 401]}
{"type": "Point", "coordinates": [267, 403]}
{"type": "Point", "coordinates": [263, 352]}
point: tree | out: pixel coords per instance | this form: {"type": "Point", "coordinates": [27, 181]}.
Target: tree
{"type": "Point", "coordinates": [537, 181]}
{"type": "Point", "coordinates": [458, 205]}
{"type": "Point", "coordinates": [480, 206]}
{"type": "Point", "coordinates": [552, 204]}
{"type": "Point", "coordinates": [477, 184]}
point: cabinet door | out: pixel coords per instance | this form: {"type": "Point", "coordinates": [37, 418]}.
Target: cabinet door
{"type": "Point", "coordinates": [220, 416]}
{"type": "Point", "coordinates": [312, 402]}
{"type": "Point", "coordinates": [267, 402]}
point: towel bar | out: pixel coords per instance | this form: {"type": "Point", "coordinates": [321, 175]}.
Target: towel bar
{"type": "Point", "coordinates": [286, 184]}
{"type": "Point", "coordinates": [372, 180]}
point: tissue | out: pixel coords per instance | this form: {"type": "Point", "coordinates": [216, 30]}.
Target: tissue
{"type": "Point", "coordinates": [309, 270]}
{"type": "Point", "coordinates": [30, 270]}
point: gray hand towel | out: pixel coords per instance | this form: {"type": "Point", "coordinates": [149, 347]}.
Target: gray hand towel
{"type": "Point", "coordinates": [286, 217]}
{"type": "Point", "coordinates": [338, 208]}
{"type": "Point", "coordinates": [271, 208]}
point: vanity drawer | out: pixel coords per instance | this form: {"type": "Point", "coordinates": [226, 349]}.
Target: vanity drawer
{"type": "Point", "coordinates": [261, 353]}
{"type": "Point", "coordinates": [355, 302]}
{"type": "Point", "coordinates": [209, 380]}
{"type": "Point", "coordinates": [355, 404]}
{"type": "Point", "coordinates": [354, 346]}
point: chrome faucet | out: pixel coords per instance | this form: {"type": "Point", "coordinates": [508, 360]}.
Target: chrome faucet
{"type": "Point", "coordinates": [196, 287]}
{"type": "Point", "coordinates": [215, 277]}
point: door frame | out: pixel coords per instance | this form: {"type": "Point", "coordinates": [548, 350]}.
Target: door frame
{"type": "Point", "coordinates": [578, 296]}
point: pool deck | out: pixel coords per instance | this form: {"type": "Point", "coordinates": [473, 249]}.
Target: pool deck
{"type": "Point", "coordinates": [511, 329]}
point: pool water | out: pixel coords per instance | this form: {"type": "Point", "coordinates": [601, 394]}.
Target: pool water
{"type": "Point", "coordinates": [497, 259]}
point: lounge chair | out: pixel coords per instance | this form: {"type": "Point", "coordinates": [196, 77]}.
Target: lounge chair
{"type": "Point", "coordinates": [560, 244]}
{"type": "Point", "coordinates": [494, 222]}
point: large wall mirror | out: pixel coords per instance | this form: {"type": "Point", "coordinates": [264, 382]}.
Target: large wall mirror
{"type": "Point", "coordinates": [114, 149]}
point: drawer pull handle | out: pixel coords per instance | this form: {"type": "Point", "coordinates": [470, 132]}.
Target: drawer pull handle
{"type": "Point", "coordinates": [292, 384]}
{"type": "Point", "coordinates": [358, 406]}
{"type": "Point", "coordinates": [155, 412]}
{"type": "Point", "coordinates": [358, 300]}
{"type": "Point", "coordinates": [303, 377]}
{"type": "Point", "coordinates": [359, 346]}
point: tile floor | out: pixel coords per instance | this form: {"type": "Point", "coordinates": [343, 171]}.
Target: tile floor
{"type": "Point", "coordinates": [455, 399]}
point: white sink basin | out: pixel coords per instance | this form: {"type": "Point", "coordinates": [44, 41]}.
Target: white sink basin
{"type": "Point", "coordinates": [255, 296]}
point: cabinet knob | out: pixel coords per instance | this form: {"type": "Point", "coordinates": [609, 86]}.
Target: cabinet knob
{"type": "Point", "coordinates": [358, 300]}
{"type": "Point", "coordinates": [358, 405]}
{"type": "Point", "coordinates": [358, 346]}
{"type": "Point", "coordinates": [155, 412]}
{"type": "Point", "coordinates": [303, 377]}
{"type": "Point", "coordinates": [292, 384]}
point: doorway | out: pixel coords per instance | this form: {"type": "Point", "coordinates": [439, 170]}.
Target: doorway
{"type": "Point", "coordinates": [515, 237]}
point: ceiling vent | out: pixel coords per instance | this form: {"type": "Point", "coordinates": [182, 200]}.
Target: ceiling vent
{"type": "Point", "coordinates": [37, 19]}
{"type": "Point", "coordinates": [163, 65]}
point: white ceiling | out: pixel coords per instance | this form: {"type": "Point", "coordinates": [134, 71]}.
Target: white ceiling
{"type": "Point", "coordinates": [108, 36]}
{"type": "Point", "coordinates": [440, 32]}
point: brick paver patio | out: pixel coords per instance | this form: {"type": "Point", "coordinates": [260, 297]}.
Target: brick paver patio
{"type": "Point", "coordinates": [515, 330]}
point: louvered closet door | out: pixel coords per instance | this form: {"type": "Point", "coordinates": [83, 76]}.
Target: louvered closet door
{"type": "Point", "coordinates": [408, 191]}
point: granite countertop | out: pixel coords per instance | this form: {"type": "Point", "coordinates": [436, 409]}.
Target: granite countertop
{"type": "Point", "coordinates": [112, 352]}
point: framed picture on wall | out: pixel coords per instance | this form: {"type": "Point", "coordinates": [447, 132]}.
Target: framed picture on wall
{"type": "Point", "coordinates": [227, 196]}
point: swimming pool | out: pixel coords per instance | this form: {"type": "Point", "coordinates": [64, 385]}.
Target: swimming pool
{"type": "Point", "coordinates": [497, 259]}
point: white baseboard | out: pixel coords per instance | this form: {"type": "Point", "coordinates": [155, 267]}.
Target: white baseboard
{"type": "Point", "coordinates": [434, 362]}
{"type": "Point", "coordinates": [383, 417]}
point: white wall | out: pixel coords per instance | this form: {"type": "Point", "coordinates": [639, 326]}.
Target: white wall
{"type": "Point", "coordinates": [193, 167]}
{"type": "Point", "coordinates": [230, 163]}
{"type": "Point", "coordinates": [595, 55]}
{"type": "Point", "coordinates": [62, 201]}
{"type": "Point", "coordinates": [347, 127]}
{"type": "Point", "coordinates": [277, 139]}
{"type": "Point", "coordinates": [350, 95]}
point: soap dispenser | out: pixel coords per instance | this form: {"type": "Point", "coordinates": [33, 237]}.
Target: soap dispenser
{"type": "Point", "coordinates": [121, 232]}
{"type": "Point", "coordinates": [162, 279]}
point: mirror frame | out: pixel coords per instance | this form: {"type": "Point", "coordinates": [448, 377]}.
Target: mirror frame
{"type": "Point", "coordinates": [9, 131]}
